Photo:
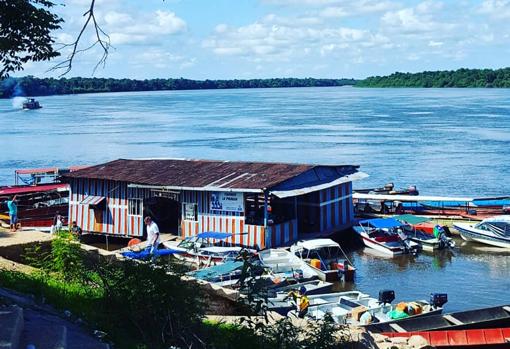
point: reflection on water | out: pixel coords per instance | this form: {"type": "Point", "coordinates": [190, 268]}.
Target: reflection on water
{"type": "Point", "coordinates": [473, 275]}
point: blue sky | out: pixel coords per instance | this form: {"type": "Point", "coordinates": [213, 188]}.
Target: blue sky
{"type": "Point", "coordinates": [224, 39]}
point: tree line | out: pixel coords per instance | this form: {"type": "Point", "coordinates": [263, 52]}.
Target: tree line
{"type": "Point", "coordinates": [31, 86]}
{"type": "Point", "coordinates": [452, 78]}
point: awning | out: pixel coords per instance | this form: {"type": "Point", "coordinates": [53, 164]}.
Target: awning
{"type": "Point", "coordinates": [409, 198]}
{"type": "Point", "coordinates": [411, 219]}
{"type": "Point", "coordinates": [382, 223]}
{"type": "Point", "coordinates": [92, 200]}
{"type": "Point", "coordinates": [301, 191]}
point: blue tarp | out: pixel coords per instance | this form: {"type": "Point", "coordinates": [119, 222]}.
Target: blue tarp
{"type": "Point", "coordinates": [382, 223]}
{"type": "Point", "coordinates": [214, 235]}
{"type": "Point", "coordinates": [144, 254]}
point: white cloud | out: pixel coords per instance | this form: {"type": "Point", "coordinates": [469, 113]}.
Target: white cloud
{"type": "Point", "coordinates": [144, 28]}
{"type": "Point", "coordinates": [433, 43]}
{"type": "Point", "coordinates": [499, 9]}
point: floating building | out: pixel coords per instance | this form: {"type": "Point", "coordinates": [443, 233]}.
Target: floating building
{"type": "Point", "coordinates": [261, 204]}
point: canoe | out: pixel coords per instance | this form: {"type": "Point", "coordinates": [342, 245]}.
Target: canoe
{"type": "Point", "coordinates": [471, 319]}
{"type": "Point", "coordinates": [479, 338]}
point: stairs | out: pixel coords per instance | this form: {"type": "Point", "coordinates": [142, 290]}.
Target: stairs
{"type": "Point", "coordinates": [30, 329]}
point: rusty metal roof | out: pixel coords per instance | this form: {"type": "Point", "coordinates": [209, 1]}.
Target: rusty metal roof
{"type": "Point", "coordinates": [198, 174]}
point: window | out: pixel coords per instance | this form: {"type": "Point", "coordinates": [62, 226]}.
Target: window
{"type": "Point", "coordinates": [190, 211]}
{"type": "Point", "coordinates": [135, 207]}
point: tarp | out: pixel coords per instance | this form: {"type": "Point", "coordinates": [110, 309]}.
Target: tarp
{"type": "Point", "coordinates": [214, 235]}
{"type": "Point", "coordinates": [382, 223]}
{"type": "Point", "coordinates": [217, 270]}
{"type": "Point", "coordinates": [145, 254]}
{"type": "Point", "coordinates": [411, 219]}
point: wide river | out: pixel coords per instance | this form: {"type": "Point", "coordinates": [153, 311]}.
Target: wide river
{"type": "Point", "coordinates": [445, 141]}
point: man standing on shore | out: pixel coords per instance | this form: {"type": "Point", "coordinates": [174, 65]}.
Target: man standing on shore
{"type": "Point", "coordinates": [13, 213]}
{"type": "Point", "coordinates": [152, 234]}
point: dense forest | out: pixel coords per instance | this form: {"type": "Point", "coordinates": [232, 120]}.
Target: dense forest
{"type": "Point", "coordinates": [31, 86]}
{"type": "Point", "coordinates": [452, 78]}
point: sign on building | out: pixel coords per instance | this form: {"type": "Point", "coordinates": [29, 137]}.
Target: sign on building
{"type": "Point", "coordinates": [227, 201]}
{"type": "Point", "coordinates": [190, 212]}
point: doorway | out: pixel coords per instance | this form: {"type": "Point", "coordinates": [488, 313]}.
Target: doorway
{"type": "Point", "coordinates": [165, 212]}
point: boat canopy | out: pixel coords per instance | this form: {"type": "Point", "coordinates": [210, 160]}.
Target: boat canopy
{"type": "Point", "coordinates": [411, 219]}
{"type": "Point", "coordinates": [381, 223]}
{"type": "Point", "coordinates": [317, 243]}
{"type": "Point", "coordinates": [214, 235]}
{"type": "Point", "coordinates": [217, 270]}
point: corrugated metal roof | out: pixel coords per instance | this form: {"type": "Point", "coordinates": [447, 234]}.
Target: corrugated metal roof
{"type": "Point", "coordinates": [33, 189]}
{"type": "Point", "coordinates": [204, 174]}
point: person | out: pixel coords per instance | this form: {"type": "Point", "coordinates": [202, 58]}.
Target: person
{"type": "Point", "coordinates": [152, 234]}
{"type": "Point", "coordinates": [76, 230]}
{"type": "Point", "coordinates": [301, 300]}
{"type": "Point", "coordinates": [57, 223]}
{"type": "Point", "coordinates": [303, 303]}
{"type": "Point", "coordinates": [13, 213]}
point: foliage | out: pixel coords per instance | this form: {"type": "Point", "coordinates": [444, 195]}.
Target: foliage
{"type": "Point", "coordinates": [457, 78]}
{"type": "Point", "coordinates": [30, 86]}
{"type": "Point", "coordinates": [25, 33]}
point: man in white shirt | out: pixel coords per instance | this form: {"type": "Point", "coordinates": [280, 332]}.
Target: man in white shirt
{"type": "Point", "coordinates": [152, 234]}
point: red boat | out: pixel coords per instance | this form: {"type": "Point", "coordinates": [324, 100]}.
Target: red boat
{"type": "Point", "coordinates": [460, 339]}
{"type": "Point", "coordinates": [40, 196]}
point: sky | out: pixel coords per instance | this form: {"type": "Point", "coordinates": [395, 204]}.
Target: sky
{"type": "Point", "coordinates": [227, 39]}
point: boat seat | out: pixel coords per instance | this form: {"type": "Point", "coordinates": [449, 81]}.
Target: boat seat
{"type": "Point", "coordinates": [387, 238]}
{"type": "Point", "coordinates": [349, 303]}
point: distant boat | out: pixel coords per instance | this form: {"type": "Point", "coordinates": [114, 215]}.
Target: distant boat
{"type": "Point", "coordinates": [381, 234]}
{"type": "Point", "coordinates": [493, 231]}
{"type": "Point", "coordinates": [31, 103]}
{"type": "Point", "coordinates": [326, 257]}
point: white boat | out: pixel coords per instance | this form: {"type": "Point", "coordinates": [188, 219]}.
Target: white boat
{"type": "Point", "coordinates": [428, 242]}
{"type": "Point", "coordinates": [283, 304]}
{"type": "Point", "coordinates": [367, 310]}
{"type": "Point", "coordinates": [381, 234]}
{"type": "Point", "coordinates": [201, 250]}
{"type": "Point", "coordinates": [494, 231]}
{"type": "Point", "coordinates": [280, 261]}
{"type": "Point", "coordinates": [326, 257]}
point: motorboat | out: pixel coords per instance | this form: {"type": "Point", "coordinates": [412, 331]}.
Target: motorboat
{"type": "Point", "coordinates": [283, 304]}
{"type": "Point", "coordinates": [492, 317]}
{"type": "Point", "coordinates": [494, 231]}
{"type": "Point", "coordinates": [382, 234]}
{"type": "Point", "coordinates": [428, 242]}
{"type": "Point", "coordinates": [202, 250]}
{"type": "Point", "coordinates": [282, 262]}
{"type": "Point", "coordinates": [31, 103]}
{"type": "Point", "coordinates": [368, 310]}
{"type": "Point", "coordinates": [326, 258]}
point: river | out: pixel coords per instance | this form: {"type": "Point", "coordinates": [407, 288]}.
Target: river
{"type": "Point", "coordinates": [444, 141]}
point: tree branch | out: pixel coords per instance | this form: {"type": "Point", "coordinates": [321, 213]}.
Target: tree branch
{"type": "Point", "coordinates": [102, 39]}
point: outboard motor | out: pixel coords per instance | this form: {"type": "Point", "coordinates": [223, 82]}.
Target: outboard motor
{"type": "Point", "coordinates": [438, 299]}
{"type": "Point", "coordinates": [386, 296]}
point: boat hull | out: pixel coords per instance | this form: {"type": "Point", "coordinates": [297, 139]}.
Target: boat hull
{"type": "Point", "coordinates": [468, 233]}
{"type": "Point", "coordinates": [371, 243]}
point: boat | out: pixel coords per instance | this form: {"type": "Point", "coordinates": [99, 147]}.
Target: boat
{"type": "Point", "coordinates": [201, 250]}
{"type": "Point", "coordinates": [31, 103]}
{"type": "Point", "coordinates": [493, 338]}
{"type": "Point", "coordinates": [284, 263]}
{"type": "Point", "coordinates": [283, 304]}
{"type": "Point", "coordinates": [312, 287]}
{"type": "Point", "coordinates": [492, 317]}
{"type": "Point", "coordinates": [368, 310]}
{"type": "Point", "coordinates": [326, 258]}
{"type": "Point", "coordinates": [494, 231]}
{"type": "Point", "coordinates": [389, 189]}
{"type": "Point", "coordinates": [229, 271]}
{"type": "Point", "coordinates": [428, 242]}
{"type": "Point", "coordinates": [381, 234]}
